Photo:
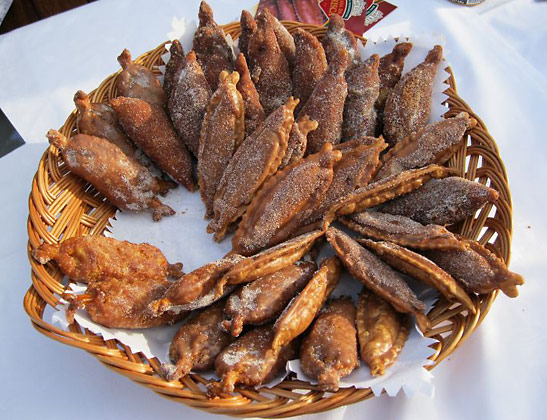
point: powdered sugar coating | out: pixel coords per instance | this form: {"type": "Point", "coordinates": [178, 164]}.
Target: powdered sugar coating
{"type": "Point", "coordinates": [284, 38]}
{"type": "Point", "coordinates": [254, 113]}
{"type": "Point", "coordinates": [173, 66]}
{"type": "Point", "coordinates": [337, 39]}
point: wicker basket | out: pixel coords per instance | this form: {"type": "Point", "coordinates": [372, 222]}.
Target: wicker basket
{"type": "Point", "coordinates": [62, 205]}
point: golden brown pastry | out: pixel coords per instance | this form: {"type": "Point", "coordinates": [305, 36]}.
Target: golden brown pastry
{"type": "Point", "coordinates": [338, 38]}
{"type": "Point", "coordinates": [298, 140]}
{"type": "Point", "coordinates": [262, 300]}
{"type": "Point", "coordinates": [329, 352]}
{"type": "Point", "coordinates": [222, 132]}
{"type": "Point", "coordinates": [124, 181]}
{"type": "Point", "coordinates": [248, 27]}
{"type": "Point", "coordinates": [136, 81]}
{"type": "Point", "coordinates": [408, 106]}
{"type": "Point", "coordinates": [197, 343]}
{"type": "Point", "coordinates": [254, 162]}
{"type": "Point", "coordinates": [188, 101]}
{"type": "Point", "coordinates": [254, 113]}
{"type": "Point", "coordinates": [173, 67]}
{"type": "Point", "coordinates": [326, 105]}
{"type": "Point", "coordinates": [382, 332]}
{"type": "Point", "coordinates": [150, 128]}
{"type": "Point", "coordinates": [390, 70]}
{"type": "Point", "coordinates": [212, 51]}
{"type": "Point", "coordinates": [272, 216]}
{"type": "Point", "coordinates": [284, 38]}
{"type": "Point", "coordinates": [377, 276]}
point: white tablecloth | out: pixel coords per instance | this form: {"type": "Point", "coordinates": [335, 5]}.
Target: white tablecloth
{"type": "Point", "coordinates": [498, 55]}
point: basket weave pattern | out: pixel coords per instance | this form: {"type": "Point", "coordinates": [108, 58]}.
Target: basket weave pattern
{"type": "Point", "coordinates": [62, 205]}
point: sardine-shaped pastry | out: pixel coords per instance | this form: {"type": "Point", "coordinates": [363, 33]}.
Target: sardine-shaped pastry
{"type": "Point", "coordinates": [212, 50]}
{"type": "Point", "coordinates": [122, 179]}
{"type": "Point", "coordinates": [136, 81]}
{"type": "Point", "coordinates": [338, 38]}
{"type": "Point", "coordinates": [254, 162]}
{"type": "Point", "coordinates": [248, 26]}
{"type": "Point", "coordinates": [197, 343]}
{"type": "Point", "coordinates": [309, 65]}
{"type": "Point", "coordinates": [254, 113]}
{"type": "Point", "coordinates": [377, 276]}
{"type": "Point", "coordinates": [443, 202]}
{"type": "Point", "coordinates": [363, 89]}
{"type": "Point", "coordinates": [269, 67]}
{"type": "Point", "coordinates": [408, 106]}
{"type": "Point", "coordinates": [326, 105]}
{"type": "Point", "coordinates": [284, 38]}
{"type": "Point", "coordinates": [94, 258]}
{"type": "Point", "coordinates": [173, 67]}
{"type": "Point", "coordinates": [272, 216]}
{"type": "Point", "coordinates": [150, 128]}
{"type": "Point", "coordinates": [401, 230]}
{"type": "Point", "coordinates": [250, 361]}
{"type": "Point", "coordinates": [477, 269]}
{"type": "Point", "coordinates": [222, 132]}
{"type": "Point", "coordinates": [420, 268]}
{"type": "Point", "coordinates": [188, 101]}
{"type": "Point", "coordinates": [390, 71]}
{"type": "Point", "coordinates": [298, 140]}
{"type": "Point", "coordinates": [434, 143]}
{"type": "Point", "coordinates": [329, 351]}
{"type": "Point", "coordinates": [264, 299]}
{"type": "Point", "coordinates": [301, 311]}
{"type": "Point", "coordinates": [381, 330]}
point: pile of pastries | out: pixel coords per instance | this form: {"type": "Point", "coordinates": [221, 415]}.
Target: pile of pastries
{"type": "Point", "coordinates": [291, 140]}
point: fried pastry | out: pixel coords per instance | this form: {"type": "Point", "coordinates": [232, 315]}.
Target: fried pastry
{"type": "Point", "coordinates": [477, 269]}
{"type": "Point", "coordinates": [382, 332]}
{"type": "Point", "coordinates": [136, 81]}
{"type": "Point", "coordinates": [401, 230]}
{"type": "Point", "coordinates": [390, 70]}
{"type": "Point", "coordinates": [443, 201]}
{"type": "Point", "coordinates": [197, 343]}
{"type": "Point", "coordinates": [212, 51]}
{"type": "Point", "coordinates": [263, 300]}
{"type": "Point", "coordinates": [326, 105]}
{"type": "Point", "coordinates": [329, 352]}
{"type": "Point", "coordinates": [222, 132]}
{"type": "Point", "coordinates": [254, 113]}
{"type": "Point", "coordinates": [284, 38]}
{"type": "Point", "coordinates": [377, 276]}
{"type": "Point", "coordinates": [250, 361]}
{"type": "Point", "coordinates": [272, 215]}
{"type": "Point", "coordinates": [150, 128]}
{"type": "Point", "coordinates": [434, 143]}
{"type": "Point", "coordinates": [254, 162]}
{"type": "Point", "coordinates": [309, 65]}
{"type": "Point", "coordinates": [363, 89]}
{"type": "Point", "coordinates": [173, 67]}
{"type": "Point", "coordinates": [124, 181]}
{"type": "Point", "coordinates": [248, 26]}
{"type": "Point", "coordinates": [188, 101]}
{"type": "Point", "coordinates": [420, 268]}
{"type": "Point", "coordinates": [298, 140]}
{"type": "Point", "coordinates": [408, 105]}
{"type": "Point", "coordinates": [337, 39]}
{"type": "Point", "coordinates": [302, 309]}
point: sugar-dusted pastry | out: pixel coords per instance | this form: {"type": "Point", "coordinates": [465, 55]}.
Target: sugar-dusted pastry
{"type": "Point", "coordinates": [123, 180]}
{"type": "Point", "coordinates": [150, 128]}
{"type": "Point", "coordinates": [434, 143]}
{"type": "Point", "coordinates": [188, 101]}
{"type": "Point", "coordinates": [420, 268]}
{"type": "Point", "coordinates": [338, 38]}
{"type": "Point", "coordinates": [477, 269]}
{"type": "Point", "coordinates": [401, 230]}
{"type": "Point", "coordinates": [443, 201]}
{"type": "Point", "coordinates": [222, 132]}
{"type": "Point", "coordinates": [212, 51]}
{"type": "Point", "coordinates": [326, 105]}
{"type": "Point", "coordinates": [390, 70]}
{"type": "Point", "coordinates": [408, 106]}
{"type": "Point", "coordinates": [363, 88]}
{"type": "Point", "coordinates": [250, 361]}
{"type": "Point", "coordinates": [273, 214]}
{"type": "Point", "coordinates": [262, 300]}
{"type": "Point", "coordinates": [248, 27]}
{"type": "Point", "coordinates": [301, 311]}
{"type": "Point", "coordinates": [284, 38]}
{"type": "Point", "coordinates": [94, 258]}
{"type": "Point", "coordinates": [329, 351]}
{"type": "Point", "coordinates": [381, 330]}
{"type": "Point", "coordinates": [254, 162]}
{"type": "Point", "coordinates": [269, 67]}
{"type": "Point", "coordinates": [136, 81]}
{"type": "Point", "coordinates": [309, 65]}
{"type": "Point", "coordinates": [377, 276]}
{"type": "Point", "coordinates": [197, 343]}
{"type": "Point", "coordinates": [173, 67]}
{"type": "Point", "coordinates": [298, 140]}
{"type": "Point", "coordinates": [254, 113]}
